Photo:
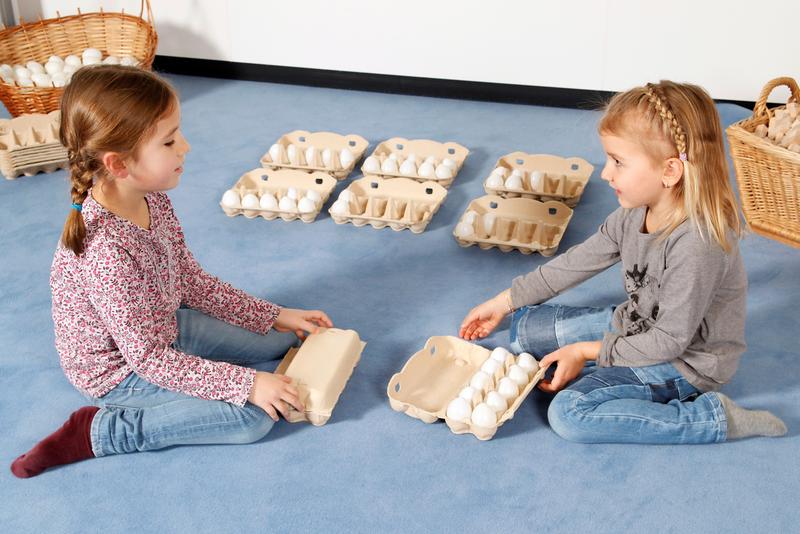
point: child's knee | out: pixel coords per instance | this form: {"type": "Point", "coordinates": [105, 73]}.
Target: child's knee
{"type": "Point", "coordinates": [255, 424]}
{"type": "Point", "coordinates": [566, 419]}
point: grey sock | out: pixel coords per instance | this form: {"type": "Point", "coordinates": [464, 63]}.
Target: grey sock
{"type": "Point", "coordinates": [744, 423]}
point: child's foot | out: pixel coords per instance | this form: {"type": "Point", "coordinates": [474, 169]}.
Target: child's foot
{"type": "Point", "coordinates": [744, 423]}
{"type": "Point", "coordinates": [70, 443]}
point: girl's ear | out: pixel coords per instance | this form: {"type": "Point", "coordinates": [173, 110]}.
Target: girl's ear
{"type": "Point", "coordinates": [673, 172]}
{"type": "Point", "coordinates": [115, 164]}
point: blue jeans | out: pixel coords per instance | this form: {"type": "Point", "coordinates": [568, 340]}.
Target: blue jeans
{"type": "Point", "coordinates": [140, 416]}
{"type": "Point", "coordinates": [652, 404]}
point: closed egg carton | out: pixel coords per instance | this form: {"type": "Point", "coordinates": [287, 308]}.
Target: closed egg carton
{"type": "Point", "coordinates": [277, 183]}
{"type": "Point", "coordinates": [435, 375]}
{"type": "Point", "coordinates": [542, 177]}
{"type": "Point", "coordinates": [522, 224]}
{"type": "Point", "coordinates": [440, 156]}
{"type": "Point", "coordinates": [29, 144]}
{"type": "Point", "coordinates": [399, 203]}
{"type": "Point", "coordinates": [278, 154]}
{"type": "Point", "coordinates": [320, 369]}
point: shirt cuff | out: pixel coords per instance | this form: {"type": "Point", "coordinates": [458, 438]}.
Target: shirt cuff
{"type": "Point", "coordinates": [604, 357]}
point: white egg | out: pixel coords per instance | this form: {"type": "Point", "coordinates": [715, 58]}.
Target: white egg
{"type": "Point", "coordinates": [484, 416]}
{"type": "Point", "coordinates": [56, 59]}
{"type": "Point", "coordinates": [69, 70]}
{"type": "Point", "coordinates": [292, 193]}
{"type": "Point", "coordinates": [327, 158]}
{"type": "Point", "coordinates": [426, 170]}
{"type": "Point", "coordinates": [490, 367]}
{"type": "Point", "coordinates": [22, 72]}
{"type": "Point", "coordinates": [311, 155]}
{"type": "Point", "coordinates": [275, 153]}
{"type": "Point", "coordinates": [468, 393]}
{"type": "Point", "coordinates": [91, 61]}
{"type": "Point", "coordinates": [494, 181]}
{"type": "Point", "coordinates": [518, 375]}
{"type": "Point", "coordinates": [250, 202]}
{"type": "Point", "coordinates": [111, 60]}
{"type": "Point", "coordinates": [129, 61]}
{"type": "Point", "coordinates": [412, 158]}
{"type": "Point", "coordinates": [293, 154]}
{"type": "Point", "coordinates": [528, 363]}
{"type": "Point", "coordinates": [287, 204]}
{"type": "Point", "coordinates": [35, 67]}
{"type": "Point", "coordinates": [389, 166]}
{"type": "Point", "coordinates": [346, 196]}
{"type": "Point", "coordinates": [6, 69]}
{"type": "Point", "coordinates": [408, 168]}
{"type": "Point", "coordinates": [502, 172]}
{"type": "Point", "coordinates": [306, 205]}
{"type": "Point", "coordinates": [464, 229]}
{"type": "Point", "coordinates": [24, 82]}
{"type": "Point", "coordinates": [518, 172]}
{"type": "Point", "coordinates": [496, 402]}
{"type": "Point", "coordinates": [499, 355]}
{"type": "Point", "coordinates": [431, 160]}
{"type": "Point", "coordinates": [488, 222]}
{"type": "Point", "coordinates": [72, 60]}
{"type": "Point", "coordinates": [537, 180]}
{"type": "Point", "coordinates": [268, 202]}
{"type": "Point", "coordinates": [231, 199]}
{"type": "Point", "coordinates": [346, 157]}
{"type": "Point", "coordinates": [513, 182]}
{"type": "Point", "coordinates": [447, 162]}
{"type": "Point", "coordinates": [371, 164]}
{"type": "Point", "coordinates": [393, 156]}
{"type": "Point", "coordinates": [314, 195]}
{"type": "Point", "coordinates": [40, 79]}
{"type": "Point", "coordinates": [91, 56]}
{"type": "Point", "coordinates": [52, 67]}
{"type": "Point", "coordinates": [470, 216]}
{"type": "Point", "coordinates": [443, 172]}
{"type": "Point", "coordinates": [481, 381]}
{"type": "Point", "coordinates": [459, 410]}
{"type": "Point", "coordinates": [340, 207]}
{"type": "Point", "coordinates": [507, 388]}
{"type": "Point", "coordinates": [59, 79]}
{"type": "Point", "coordinates": [7, 79]}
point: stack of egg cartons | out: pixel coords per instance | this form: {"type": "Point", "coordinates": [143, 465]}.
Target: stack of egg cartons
{"type": "Point", "coordinates": [29, 144]}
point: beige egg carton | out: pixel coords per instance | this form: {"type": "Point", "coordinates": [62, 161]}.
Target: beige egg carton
{"type": "Point", "coordinates": [278, 185]}
{"type": "Point", "coordinates": [522, 224]}
{"type": "Point", "coordinates": [29, 144]}
{"type": "Point", "coordinates": [442, 371]}
{"type": "Point", "coordinates": [318, 151]}
{"type": "Point", "coordinates": [541, 177]}
{"type": "Point", "coordinates": [399, 203]}
{"type": "Point", "coordinates": [418, 159]}
{"type": "Point", "coordinates": [320, 369]}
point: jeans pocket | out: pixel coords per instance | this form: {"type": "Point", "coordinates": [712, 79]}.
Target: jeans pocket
{"type": "Point", "coordinates": [663, 393]}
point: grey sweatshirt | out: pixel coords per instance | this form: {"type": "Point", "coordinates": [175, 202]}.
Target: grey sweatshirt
{"type": "Point", "coordinates": [686, 297]}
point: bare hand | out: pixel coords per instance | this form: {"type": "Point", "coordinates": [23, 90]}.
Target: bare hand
{"type": "Point", "coordinates": [274, 393]}
{"type": "Point", "coordinates": [301, 321]}
{"type": "Point", "coordinates": [484, 318]}
{"type": "Point", "coordinates": [570, 360]}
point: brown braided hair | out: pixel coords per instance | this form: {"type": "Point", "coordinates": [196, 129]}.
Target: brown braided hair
{"type": "Point", "coordinates": [106, 108]}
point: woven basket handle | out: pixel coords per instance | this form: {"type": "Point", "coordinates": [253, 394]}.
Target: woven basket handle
{"type": "Point", "coordinates": [146, 4]}
{"type": "Point", "coordinates": [760, 110]}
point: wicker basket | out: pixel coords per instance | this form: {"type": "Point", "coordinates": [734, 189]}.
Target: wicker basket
{"type": "Point", "coordinates": [115, 34]}
{"type": "Point", "coordinates": [768, 174]}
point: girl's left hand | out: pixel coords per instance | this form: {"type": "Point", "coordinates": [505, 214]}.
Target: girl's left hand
{"type": "Point", "coordinates": [301, 321]}
{"type": "Point", "coordinates": [570, 360]}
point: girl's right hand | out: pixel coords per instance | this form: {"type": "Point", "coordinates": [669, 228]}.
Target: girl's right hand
{"type": "Point", "coordinates": [274, 393]}
{"type": "Point", "coordinates": [484, 318]}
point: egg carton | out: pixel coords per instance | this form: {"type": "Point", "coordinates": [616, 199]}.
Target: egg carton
{"type": "Point", "coordinates": [30, 144]}
{"type": "Point", "coordinates": [539, 176]}
{"type": "Point", "coordinates": [523, 224]}
{"type": "Point", "coordinates": [286, 193]}
{"type": "Point", "coordinates": [318, 151]}
{"type": "Point", "coordinates": [417, 159]}
{"type": "Point", "coordinates": [399, 203]}
{"type": "Point", "coordinates": [320, 369]}
{"type": "Point", "coordinates": [449, 368]}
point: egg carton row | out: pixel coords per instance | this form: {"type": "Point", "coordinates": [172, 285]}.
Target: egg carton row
{"type": "Point", "coordinates": [318, 151]}
{"type": "Point", "coordinates": [539, 176]}
{"type": "Point", "coordinates": [399, 203]}
{"type": "Point", "coordinates": [286, 193]}
{"type": "Point", "coordinates": [30, 144]}
{"type": "Point", "coordinates": [473, 389]}
{"type": "Point", "coordinates": [510, 224]}
{"type": "Point", "coordinates": [419, 159]}
{"type": "Point", "coordinates": [57, 71]}
{"type": "Point", "coordinates": [784, 127]}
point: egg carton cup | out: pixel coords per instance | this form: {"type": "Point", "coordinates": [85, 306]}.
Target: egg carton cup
{"type": "Point", "coordinates": [542, 176]}
{"type": "Point", "coordinates": [320, 369]}
{"type": "Point", "coordinates": [29, 144]}
{"type": "Point", "coordinates": [399, 203]}
{"type": "Point", "coordinates": [437, 373]}
{"type": "Point", "coordinates": [333, 143]}
{"type": "Point", "coordinates": [522, 224]}
{"type": "Point", "coordinates": [400, 148]}
{"type": "Point", "coordinates": [278, 183]}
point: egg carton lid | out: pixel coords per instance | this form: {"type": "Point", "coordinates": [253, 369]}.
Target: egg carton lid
{"type": "Point", "coordinates": [574, 169]}
{"type": "Point", "coordinates": [45, 156]}
{"type": "Point", "coordinates": [29, 130]}
{"type": "Point", "coordinates": [11, 173]}
{"type": "Point", "coordinates": [394, 189]}
{"type": "Point", "coordinates": [434, 375]}
{"type": "Point", "coordinates": [549, 213]}
{"type": "Point", "coordinates": [320, 140]}
{"type": "Point", "coordinates": [422, 148]}
{"type": "Point", "coordinates": [320, 369]}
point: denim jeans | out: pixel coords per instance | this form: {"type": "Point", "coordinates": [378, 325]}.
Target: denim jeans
{"type": "Point", "coordinates": [652, 404]}
{"type": "Point", "coordinates": [140, 416]}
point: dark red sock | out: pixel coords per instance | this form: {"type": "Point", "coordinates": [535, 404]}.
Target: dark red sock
{"type": "Point", "coordinates": [70, 443]}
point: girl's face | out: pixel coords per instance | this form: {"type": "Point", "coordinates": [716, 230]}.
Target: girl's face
{"type": "Point", "coordinates": [634, 177]}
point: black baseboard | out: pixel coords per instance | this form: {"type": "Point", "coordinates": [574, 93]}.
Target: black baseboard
{"type": "Point", "coordinates": [385, 83]}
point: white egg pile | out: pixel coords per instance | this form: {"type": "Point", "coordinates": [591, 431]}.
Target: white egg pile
{"type": "Point", "coordinates": [342, 204]}
{"type": "Point", "coordinates": [57, 71]}
{"type": "Point", "coordinates": [784, 127]}
{"type": "Point", "coordinates": [517, 180]}
{"type": "Point", "coordinates": [311, 157]}
{"type": "Point", "coordinates": [291, 201]}
{"type": "Point", "coordinates": [473, 223]}
{"type": "Point", "coordinates": [411, 166]}
{"type": "Point", "coordinates": [493, 389]}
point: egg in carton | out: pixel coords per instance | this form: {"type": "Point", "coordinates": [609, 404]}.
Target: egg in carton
{"type": "Point", "coordinates": [417, 159]}
{"type": "Point", "coordinates": [286, 193]}
{"type": "Point", "coordinates": [399, 203]}
{"type": "Point", "coordinates": [30, 144]}
{"type": "Point", "coordinates": [318, 151]}
{"type": "Point", "coordinates": [523, 224]}
{"type": "Point", "coordinates": [539, 176]}
{"type": "Point", "coordinates": [473, 389]}
{"type": "Point", "coordinates": [320, 369]}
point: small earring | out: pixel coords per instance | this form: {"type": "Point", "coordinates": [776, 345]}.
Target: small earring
{"type": "Point", "coordinates": [666, 185]}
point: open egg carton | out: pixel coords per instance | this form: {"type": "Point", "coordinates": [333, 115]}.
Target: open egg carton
{"type": "Point", "coordinates": [473, 389]}
{"type": "Point", "coordinates": [286, 193]}
{"type": "Point", "coordinates": [400, 203]}
{"type": "Point", "coordinates": [29, 144]}
{"type": "Point", "coordinates": [417, 159]}
{"type": "Point", "coordinates": [320, 369]}
{"type": "Point", "coordinates": [318, 151]}
{"type": "Point", "coordinates": [539, 176]}
{"type": "Point", "coordinates": [523, 224]}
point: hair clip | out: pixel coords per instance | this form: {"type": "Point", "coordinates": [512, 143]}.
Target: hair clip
{"type": "Point", "coordinates": [77, 207]}
{"type": "Point", "coordinates": [683, 156]}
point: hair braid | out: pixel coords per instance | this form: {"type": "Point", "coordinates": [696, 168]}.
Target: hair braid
{"type": "Point", "coordinates": [659, 102]}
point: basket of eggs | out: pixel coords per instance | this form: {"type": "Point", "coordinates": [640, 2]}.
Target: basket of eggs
{"type": "Point", "coordinates": [37, 59]}
{"type": "Point", "coordinates": [766, 155]}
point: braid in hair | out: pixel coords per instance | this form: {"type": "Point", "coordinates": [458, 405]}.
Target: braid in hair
{"type": "Point", "coordinates": [82, 170]}
{"type": "Point", "coordinates": [658, 100]}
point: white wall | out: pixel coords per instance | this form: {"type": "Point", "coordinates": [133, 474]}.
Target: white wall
{"type": "Point", "coordinates": [732, 48]}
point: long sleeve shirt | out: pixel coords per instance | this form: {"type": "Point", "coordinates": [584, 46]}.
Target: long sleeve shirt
{"type": "Point", "coordinates": [114, 307]}
{"type": "Point", "coordinates": [686, 296]}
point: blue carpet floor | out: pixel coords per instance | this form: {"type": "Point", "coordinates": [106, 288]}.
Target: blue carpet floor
{"type": "Point", "coordinates": [372, 469]}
